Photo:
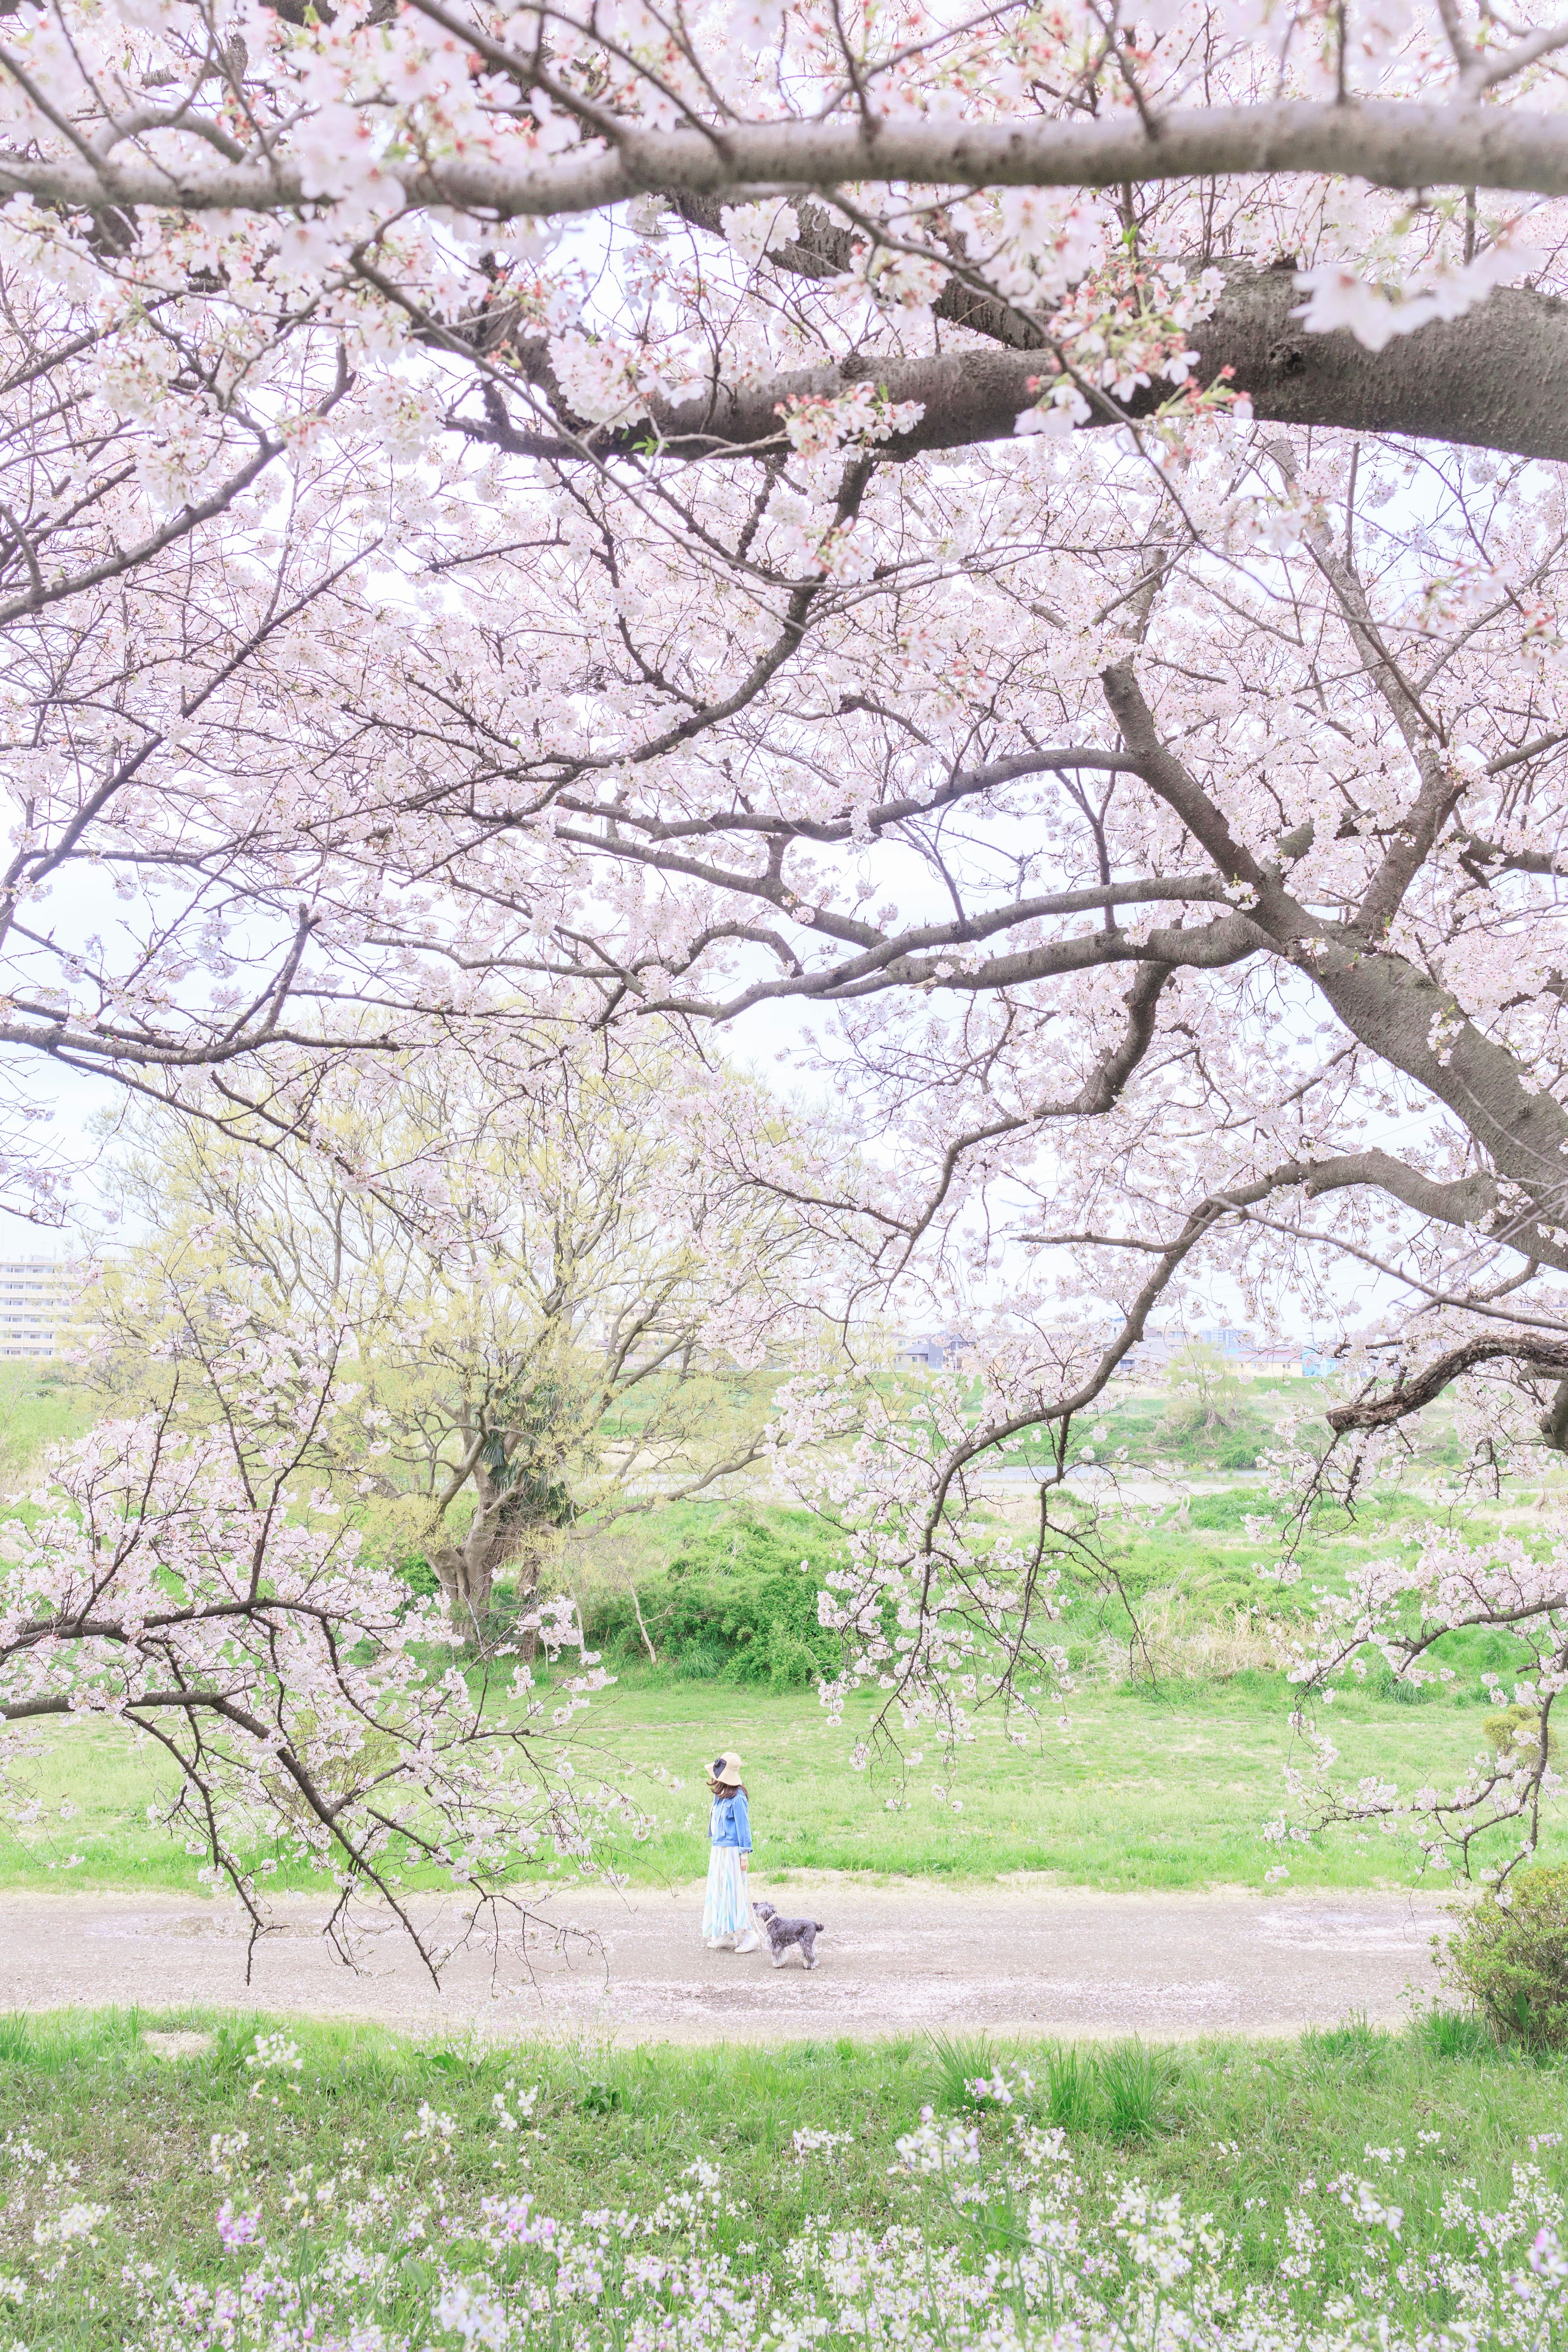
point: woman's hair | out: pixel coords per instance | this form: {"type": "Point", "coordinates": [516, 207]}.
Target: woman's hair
{"type": "Point", "coordinates": [727, 1787]}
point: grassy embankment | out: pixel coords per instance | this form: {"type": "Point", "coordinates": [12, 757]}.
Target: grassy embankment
{"type": "Point", "coordinates": [385, 2147]}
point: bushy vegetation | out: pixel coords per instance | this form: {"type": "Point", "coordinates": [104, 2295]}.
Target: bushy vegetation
{"type": "Point", "coordinates": [1171, 1758]}
{"type": "Point", "coordinates": [1216, 1423]}
{"type": "Point", "coordinates": [1209, 1414]}
{"type": "Point", "coordinates": [722, 1591]}
{"type": "Point", "coordinates": [258, 2185]}
{"type": "Point", "coordinates": [1509, 1957]}
{"type": "Point", "coordinates": [1515, 1731]}
{"type": "Point", "coordinates": [706, 1612]}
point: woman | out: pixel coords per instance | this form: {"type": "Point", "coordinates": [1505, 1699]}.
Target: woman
{"type": "Point", "coordinates": [727, 1921]}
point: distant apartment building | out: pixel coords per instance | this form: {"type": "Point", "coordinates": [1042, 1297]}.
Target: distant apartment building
{"type": "Point", "coordinates": [36, 1298]}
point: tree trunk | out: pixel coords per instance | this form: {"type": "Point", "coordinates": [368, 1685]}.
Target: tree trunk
{"type": "Point", "coordinates": [1496, 378]}
{"type": "Point", "coordinates": [502, 1533]}
{"type": "Point", "coordinates": [466, 1579]}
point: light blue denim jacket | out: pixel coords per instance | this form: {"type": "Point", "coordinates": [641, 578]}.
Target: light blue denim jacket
{"type": "Point", "coordinates": [730, 1823]}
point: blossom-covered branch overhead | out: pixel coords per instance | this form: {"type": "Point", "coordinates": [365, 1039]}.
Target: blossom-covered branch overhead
{"type": "Point", "coordinates": [1392, 144]}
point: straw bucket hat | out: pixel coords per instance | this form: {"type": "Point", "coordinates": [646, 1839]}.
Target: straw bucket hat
{"type": "Point", "coordinates": [727, 1770]}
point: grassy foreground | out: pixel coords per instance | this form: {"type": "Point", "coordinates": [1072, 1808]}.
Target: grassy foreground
{"type": "Point", "coordinates": [328, 2185]}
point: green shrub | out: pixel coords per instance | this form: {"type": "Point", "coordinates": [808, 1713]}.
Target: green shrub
{"type": "Point", "coordinates": [1509, 1958]}
{"type": "Point", "coordinates": [419, 1577]}
{"type": "Point", "coordinates": [736, 1599]}
{"type": "Point", "coordinates": [1516, 1732]}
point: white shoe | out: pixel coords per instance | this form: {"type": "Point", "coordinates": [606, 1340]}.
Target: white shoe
{"type": "Point", "coordinates": [750, 1942]}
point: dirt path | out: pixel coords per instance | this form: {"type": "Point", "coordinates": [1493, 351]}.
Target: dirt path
{"type": "Point", "coordinates": [1061, 1961]}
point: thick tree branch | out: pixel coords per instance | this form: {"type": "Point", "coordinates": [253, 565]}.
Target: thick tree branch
{"type": "Point", "coordinates": [1463, 1202]}
{"type": "Point", "coordinates": [1392, 144]}
{"type": "Point", "coordinates": [1175, 786]}
{"type": "Point", "coordinates": [1408, 1395]}
{"type": "Point", "coordinates": [1496, 378]}
{"type": "Point", "coordinates": [1385, 1002]}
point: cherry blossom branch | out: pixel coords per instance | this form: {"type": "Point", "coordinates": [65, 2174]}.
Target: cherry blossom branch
{"type": "Point", "coordinates": [301, 1675]}
{"type": "Point", "coordinates": [1379, 1408]}
{"type": "Point", "coordinates": [180, 525]}
{"type": "Point", "coordinates": [1489, 380]}
{"type": "Point", "coordinates": [1389, 143]}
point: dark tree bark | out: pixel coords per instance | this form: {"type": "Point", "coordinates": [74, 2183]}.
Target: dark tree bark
{"type": "Point", "coordinates": [1495, 379]}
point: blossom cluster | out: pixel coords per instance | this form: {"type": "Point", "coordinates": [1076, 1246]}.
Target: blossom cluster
{"type": "Point", "coordinates": [1394, 1612]}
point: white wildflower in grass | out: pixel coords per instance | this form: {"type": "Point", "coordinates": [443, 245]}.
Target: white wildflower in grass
{"type": "Point", "coordinates": [932, 2148]}
{"type": "Point", "coordinates": [276, 2065]}
{"type": "Point", "coordinates": [71, 2221]}
{"type": "Point", "coordinates": [987, 2237]}
{"type": "Point", "coordinates": [1365, 2202]}
{"type": "Point", "coordinates": [227, 2152]}
{"type": "Point", "coordinates": [1547, 2261]}
{"type": "Point", "coordinates": [512, 2108]}
{"type": "Point", "coordinates": [994, 2086]}
{"type": "Point", "coordinates": [431, 2125]}
{"type": "Point", "coordinates": [480, 2319]}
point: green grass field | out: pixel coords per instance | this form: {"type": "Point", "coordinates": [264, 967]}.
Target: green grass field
{"type": "Point", "coordinates": [1137, 1791]}
{"type": "Point", "coordinates": [357, 2163]}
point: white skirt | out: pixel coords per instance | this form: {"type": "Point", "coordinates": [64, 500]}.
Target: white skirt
{"type": "Point", "coordinates": [727, 1912]}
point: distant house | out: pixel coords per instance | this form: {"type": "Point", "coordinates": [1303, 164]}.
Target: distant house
{"type": "Point", "coordinates": [1147, 1359]}
{"type": "Point", "coordinates": [1250, 1354]}
{"type": "Point", "coordinates": [938, 1351]}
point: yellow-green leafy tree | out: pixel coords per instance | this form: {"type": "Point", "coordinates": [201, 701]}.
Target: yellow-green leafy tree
{"type": "Point", "coordinates": [567, 1299]}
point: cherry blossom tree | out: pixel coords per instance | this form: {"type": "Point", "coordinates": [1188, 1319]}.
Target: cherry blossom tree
{"type": "Point", "coordinates": [182, 1583]}
{"type": "Point", "coordinates": [767, 512]}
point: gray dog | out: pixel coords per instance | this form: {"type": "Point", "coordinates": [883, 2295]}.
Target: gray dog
{"type": "Point", "coordinates": [781, 1933]}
